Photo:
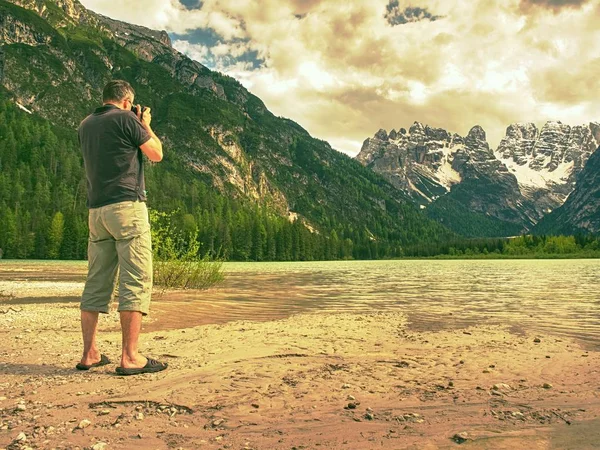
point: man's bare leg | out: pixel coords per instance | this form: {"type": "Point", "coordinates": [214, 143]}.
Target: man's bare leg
{"type": "Point", "coordinates": [131, 325]}
{"type": "Point", "coordinates": [89, 326]}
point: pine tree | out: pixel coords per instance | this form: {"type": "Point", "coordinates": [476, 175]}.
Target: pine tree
{"type": "Point", "coordinates": [56, 235]}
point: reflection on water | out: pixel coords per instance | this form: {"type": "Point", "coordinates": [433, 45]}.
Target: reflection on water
{"type": "Point", "coordinates": [542, 295]}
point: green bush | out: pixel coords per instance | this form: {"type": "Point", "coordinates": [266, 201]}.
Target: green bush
{"type": "Point", "coordinates": [177, 260]}
{"type": "Point", "coordinates": [199, 274]}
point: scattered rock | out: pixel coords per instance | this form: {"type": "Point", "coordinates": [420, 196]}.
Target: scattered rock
{"type": "Point", "coordinates": [218, 422]}
{"type": "Point", "coordinates": [410, 417]}
{"type": "Point", "coordinates": [537, 340]}
{"type": "Point", "coordinates": [139, 416]}
{"type": "Point", "coordinates": [255, 405]}
{"type": "Point", "coordinates": [346, 386]}
{"type": "Point", "coordinates": [369, 416]}
{"type": "Point", "coordinates": [22, 437]}
{"type": "Point", "coordinates": [351, 397]}
{"type": "Point", "coordinates": [21, 407]}
{"type": "Point", "coordinates": [461, 438]}
{"type": "Point", "coordinates": [99, 446]}
{"type": "Point", "coordinates": [84, 424]}
{"type": "Point", "coordinates": [501, 387]}
{"type": "Point", "coordinates": [547, 386]}
{"type": "Point", "coordinates": [352, 405]}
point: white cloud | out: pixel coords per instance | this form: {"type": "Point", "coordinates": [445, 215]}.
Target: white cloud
{"type": "Point", "coordinates": [340, 70]}
{"type": "Point", "coordinates": [197, 52]}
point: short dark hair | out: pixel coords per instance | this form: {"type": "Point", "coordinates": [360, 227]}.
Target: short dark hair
{"type": "Point", "coordinates": [116, 90]}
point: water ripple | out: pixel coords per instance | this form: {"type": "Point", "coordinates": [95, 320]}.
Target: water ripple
{"type": "Point", "coordinates": [558, 296]}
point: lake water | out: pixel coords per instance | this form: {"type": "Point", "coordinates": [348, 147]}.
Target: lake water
{"type": "Point", "coordinates": [558, 296]}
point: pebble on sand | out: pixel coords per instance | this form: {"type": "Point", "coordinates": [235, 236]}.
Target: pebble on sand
{"type": "Point", "coordinates": [22, 437]}
{"type": "Point", "coordinates": [461, 437]}
{"type": "Point", "coordinates": [84, 424]}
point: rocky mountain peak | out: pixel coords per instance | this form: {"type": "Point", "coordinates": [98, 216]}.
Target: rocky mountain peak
{"type": "Point", "coordinates": [477, 135]}
{"type": "Point", "coordinates": [476, 144]}
{"type": "Point", "coordinates": [145, 42]}
{"type": "Point", "coordinates": [381, 135]}
{"type": "Point", "coordinates": [525, 130]}
{"type": "Point", "coordinates": [547, 160]}
{"type": "Point", "coordinates": [417, 128]}
{"type": "Point", "coordinates": [531, 173]}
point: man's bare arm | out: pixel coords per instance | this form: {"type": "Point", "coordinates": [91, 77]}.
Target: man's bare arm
{"type": "Point", "coordinates": [153, 147]}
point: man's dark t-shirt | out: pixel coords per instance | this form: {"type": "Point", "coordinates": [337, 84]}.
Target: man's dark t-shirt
{"type": "Point", "coordinates": [110, 139]}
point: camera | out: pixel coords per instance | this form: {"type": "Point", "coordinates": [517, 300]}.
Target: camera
{"type": "Point", "coordinates": [134, 108]}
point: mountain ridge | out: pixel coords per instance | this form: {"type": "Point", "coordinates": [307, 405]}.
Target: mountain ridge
{"type": "Point", "coordinates": [530, 173]}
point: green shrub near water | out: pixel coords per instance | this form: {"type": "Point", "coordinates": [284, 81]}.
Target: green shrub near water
{"type": "Point", "coordinates": [177, 260]}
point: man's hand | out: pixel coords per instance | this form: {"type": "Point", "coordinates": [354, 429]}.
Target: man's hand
{"type": "Point", "coordinates": [153, 147]}
{"type": "Point", "coordinates": [144, 114]}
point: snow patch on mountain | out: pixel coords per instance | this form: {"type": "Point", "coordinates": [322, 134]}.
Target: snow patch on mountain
{"type": "Point", "coordinates": [547, 159]}
{"type": "Point", "coordinates": [542, 179]}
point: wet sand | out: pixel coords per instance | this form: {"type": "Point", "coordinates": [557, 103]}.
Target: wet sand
{"type": "Point", "coordinates": [311, 380]}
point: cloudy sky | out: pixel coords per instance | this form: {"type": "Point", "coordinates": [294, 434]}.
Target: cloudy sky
{"type": "Point", "coordinates": [343, 69]}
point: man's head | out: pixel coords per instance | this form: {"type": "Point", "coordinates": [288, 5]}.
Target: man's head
{"type": "Point", "coordinates": [118, 93]}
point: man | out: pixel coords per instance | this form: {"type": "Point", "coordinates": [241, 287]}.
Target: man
{"type": "Point", "coordinates": [112, 140]}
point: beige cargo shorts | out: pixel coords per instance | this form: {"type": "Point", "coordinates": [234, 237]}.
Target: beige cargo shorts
{"type": "Point", "coordinates": [119, 242]}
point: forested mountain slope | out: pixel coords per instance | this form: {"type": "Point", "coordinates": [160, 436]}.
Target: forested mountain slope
{"type": "Point", "coordinates": [256, 186]}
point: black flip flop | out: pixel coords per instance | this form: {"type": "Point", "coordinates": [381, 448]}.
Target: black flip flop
{"type": "Point", "coordinates": [151, 366]}
{"type": "Point", "coordinates": [103, 361]}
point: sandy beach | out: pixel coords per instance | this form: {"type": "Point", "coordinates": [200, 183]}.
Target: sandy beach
{"type": "Point", "coordinates": [308, 381]}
